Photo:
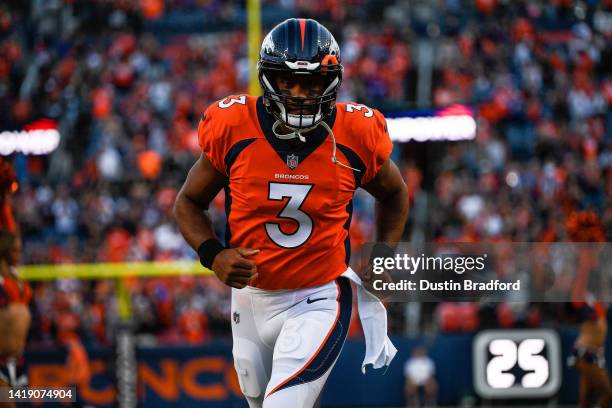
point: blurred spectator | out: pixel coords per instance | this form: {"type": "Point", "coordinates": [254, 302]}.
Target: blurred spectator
{"type": "Point", "coordinates": [420, 381]}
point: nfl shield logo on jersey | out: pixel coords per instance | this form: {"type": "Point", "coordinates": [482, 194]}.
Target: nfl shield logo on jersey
{"type": "Point", "coordinates": [292, 161]}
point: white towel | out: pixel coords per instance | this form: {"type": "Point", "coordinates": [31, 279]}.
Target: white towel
{"type": "Point", "coordinates": [373, 315]}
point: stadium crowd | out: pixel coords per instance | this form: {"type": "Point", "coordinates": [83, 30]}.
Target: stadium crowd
{"type": "Point", "coordinates": [127, 103]}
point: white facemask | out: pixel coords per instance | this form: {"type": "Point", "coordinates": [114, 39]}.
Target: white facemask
{"type": "Point", "coordinates": [299, 121]}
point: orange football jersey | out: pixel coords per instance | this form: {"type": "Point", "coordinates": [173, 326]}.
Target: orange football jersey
{"type": "Point", "coordinates": [288, 199]}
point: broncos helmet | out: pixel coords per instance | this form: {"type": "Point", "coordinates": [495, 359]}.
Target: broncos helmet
{"type": "Point", "coordinates": [300, 50]}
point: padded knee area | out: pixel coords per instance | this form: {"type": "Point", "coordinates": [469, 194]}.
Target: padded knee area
{"type": "Point", "coordinates": [250, 368]}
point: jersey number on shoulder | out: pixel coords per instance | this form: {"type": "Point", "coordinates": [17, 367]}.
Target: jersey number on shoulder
{"type": "Point", "coordinates": [352, 108]}
{"type": "Point", "coordinates": [227, 102]}
{"type": "Point", "coordinates": [296, 193]}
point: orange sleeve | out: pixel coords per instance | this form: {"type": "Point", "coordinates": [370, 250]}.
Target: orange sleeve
{"type": "Point", "coordinates": [7, 221]}
{"type": "Point", "coordinates": [600, 310]}
{"type": "Point", "coordinates": [379, 146]}
{"type": "Point", "coordinates": [8, 185]}
{"type": "Point", "coordinates": [212, 137]}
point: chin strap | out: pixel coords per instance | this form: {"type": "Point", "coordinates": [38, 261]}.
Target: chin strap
{"type": "Point", "coordinates": [297, 133]}
{"type": "Point", "coordinates": [333, 158]}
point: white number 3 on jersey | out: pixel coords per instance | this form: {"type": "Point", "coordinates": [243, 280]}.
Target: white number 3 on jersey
{"type": "Point", "coordinates": [296, 193]}
{"type": "Point", "coordinates": [367, 112]}
{"type": "Point", "coordinates": [227, 102]}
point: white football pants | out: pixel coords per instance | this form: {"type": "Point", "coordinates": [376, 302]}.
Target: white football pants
{"type": "Point", "coordinates": [286, 342]}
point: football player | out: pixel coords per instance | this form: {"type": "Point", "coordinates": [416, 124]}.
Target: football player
{"type": "Point", "coordinates": [290, 162]}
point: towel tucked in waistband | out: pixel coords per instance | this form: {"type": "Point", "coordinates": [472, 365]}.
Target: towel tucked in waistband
{"type": "Point", "coordinates": [373, 316]}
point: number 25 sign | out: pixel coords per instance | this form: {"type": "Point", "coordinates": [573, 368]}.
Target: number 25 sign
{"type": "Point", "coordinates": [517, 363]}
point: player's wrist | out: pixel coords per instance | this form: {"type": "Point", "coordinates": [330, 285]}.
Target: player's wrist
{"type": "Point", "coordinates": [208, 250]}
{"type": "Point", "coordinates": [381, 250]}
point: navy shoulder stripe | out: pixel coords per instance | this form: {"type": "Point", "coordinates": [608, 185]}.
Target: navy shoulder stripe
{"type": "Point", "coordinates": [233, 153]}
{"type": "Point", "coordinates": [355, 162]}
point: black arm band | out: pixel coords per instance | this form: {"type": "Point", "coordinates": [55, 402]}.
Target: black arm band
{"type": "Point", "coordinates": [381, 250]}
{"type": "Point", "coordinates": [208, 250]}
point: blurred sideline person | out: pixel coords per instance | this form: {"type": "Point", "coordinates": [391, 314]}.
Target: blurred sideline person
{"type": "Point", "coordinates": [15, 295]}
{"type": "Point", "coordinates": [289, 163]}
{"type": "Point", "coordinates": [589, 357]}
{"type": "Point", "coordinates": [15, 316]}
{"type": "Point", "coordinates": [419, 374]}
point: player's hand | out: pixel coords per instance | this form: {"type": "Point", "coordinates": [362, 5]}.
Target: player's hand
{"type": "Point", "coordinates": [233, 267]}
{"type": "Point", "coordinates": [368, 277]}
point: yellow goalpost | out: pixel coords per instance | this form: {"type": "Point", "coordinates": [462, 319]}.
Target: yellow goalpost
{"type": "Point", "coordinates": [109, 270]}
{"type": "Point", "coordinates": [116, 271]}
{"type": "Point", "coordinates": [254, 38]}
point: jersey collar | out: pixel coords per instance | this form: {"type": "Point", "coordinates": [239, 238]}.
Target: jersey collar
{"type": "Point", "coordinates": [285, 148]}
